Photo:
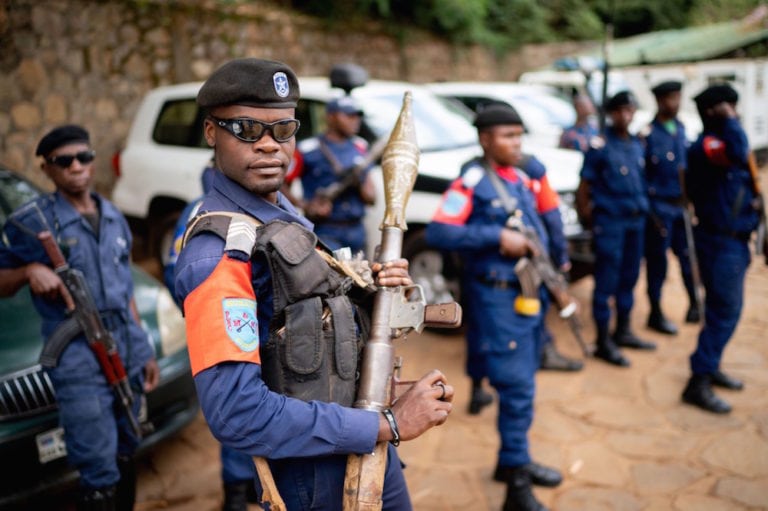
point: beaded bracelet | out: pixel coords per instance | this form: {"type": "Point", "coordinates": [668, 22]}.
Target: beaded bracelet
{"type": "Point", "coordinates": [393, 426]}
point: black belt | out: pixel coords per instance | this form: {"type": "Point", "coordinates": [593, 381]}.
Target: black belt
{"type": "Point", "coordinates": [498, 283]}
{"type": "Point", "coordinates": [737, 235]}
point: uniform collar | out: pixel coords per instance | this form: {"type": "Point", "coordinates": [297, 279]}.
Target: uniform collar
{"type": "Point", "coordinates": [66, 213]}
{"type": "Point", "coordinates": [256, 206]}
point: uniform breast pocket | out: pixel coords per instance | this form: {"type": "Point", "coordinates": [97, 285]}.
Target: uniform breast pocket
{"type": "Point", "coordinates": [620, 176]}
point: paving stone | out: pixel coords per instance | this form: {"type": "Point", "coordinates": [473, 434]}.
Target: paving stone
{"type": "Point", "coordinates": [660, 386]}
{"type": "Point", "coordinates": [599, 499]}
{"type": "Point", "coordinates": [704, 503]}
{"type": "Point", "coordinates": [552, 424]}
{"type": "Point", "coordinates": [663, 477]}
{"type": "Point", "coordinates": [650, 444]}
{"type": "Point", "coordinates": [616, 412]}
{"type": "Point", "coordinates": [691, 419]}
{"type": "Point", "coordinates": [593, 462]}
{"type": "Point", "coordinates": [741, 452]}
{"type": "Point", "coordinates": [752, 493]}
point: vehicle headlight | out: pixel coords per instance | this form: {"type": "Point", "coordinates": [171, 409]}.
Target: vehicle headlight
{"type": "Point", "coordinates": [170, 323]}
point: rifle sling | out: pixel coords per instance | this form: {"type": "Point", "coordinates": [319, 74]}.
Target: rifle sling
{"type": "Point", "coordinates": [509, 203]}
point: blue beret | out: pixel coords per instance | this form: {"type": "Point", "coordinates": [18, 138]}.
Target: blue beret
{"type": "Point", "coordinates": [665, 88]}
{"type": "Point", "coordinates": [620, 99]}
{"type": "Point", "coordinates": [715, 94]}
{"type": "Point", "coordinates": [345, 105]}
{"type": "Point", "coordinates": [60, 136]}
{"type": "Point", "coordinates": [497, 114]}
{"type": "Point", "coordinates": [251, 82]}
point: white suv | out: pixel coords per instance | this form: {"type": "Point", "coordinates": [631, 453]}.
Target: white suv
{"type": "Point", "coordinates": [159, 169]}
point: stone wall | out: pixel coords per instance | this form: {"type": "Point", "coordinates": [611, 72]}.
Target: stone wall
{"type": "Point", "coordinates": [90, 63]}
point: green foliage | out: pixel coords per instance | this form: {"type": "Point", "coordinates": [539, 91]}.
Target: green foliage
{"type": "Point", "coordinates": [506, 24]}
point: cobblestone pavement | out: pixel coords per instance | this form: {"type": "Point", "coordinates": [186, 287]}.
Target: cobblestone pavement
{"type": "Point", "coordinates": [622, 438]}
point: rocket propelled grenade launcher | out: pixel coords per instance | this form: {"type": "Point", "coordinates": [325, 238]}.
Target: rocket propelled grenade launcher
{"type": "Point", "coordinates": [394, 312]}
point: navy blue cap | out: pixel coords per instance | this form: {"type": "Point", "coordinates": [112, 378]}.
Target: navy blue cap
{"type": "Point", "coordinates": [344, 104]}
{"type": "Point", "coordinates": [715, 94]}
{"type": "Point", "coordinates": [251, 82]}
{"type": "Point", "coordinates": [63, 135]}
{"type": "Point", "coordinates": [497, 114]}
{"type": "Point", "coordinates": [665, 88]}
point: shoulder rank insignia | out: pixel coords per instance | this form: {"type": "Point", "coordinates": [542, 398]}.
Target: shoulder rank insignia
{"type": "Point", "coordinates": [597, 142]}
{"type": "Point", "coordinates": [472, 176]}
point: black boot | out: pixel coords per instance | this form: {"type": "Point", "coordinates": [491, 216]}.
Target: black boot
{"type": "Point", "coordinates": [102, 499]}
{"type": "Point", "coordinates": [541, 475]}
{"type": "Point", "coordinates": [552, 359]}
{"type": "Point", "coordinates": [657, 321]}
{"type": "Point", "coordinates": [607, 349]}
{"type": "Point", "coordinates": [125, 493]}
{"type": "Point", "coordinates": [720, 379]}
{"type": "Point", "coordinates": [519, 492]}
{"type": "Point", "coordinates": [479, 399]}
{"type": "Point", "coordinates": [625, 338]}
{"type": "Point", "coordinates": [236, 496]}
{"type": "Point", "coordinates": [699, 393]}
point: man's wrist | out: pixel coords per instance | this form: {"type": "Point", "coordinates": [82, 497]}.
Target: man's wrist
{"type": "Point", "coordinates": [390, 418]}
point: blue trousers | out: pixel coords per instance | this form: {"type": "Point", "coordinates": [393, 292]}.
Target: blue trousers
{"type": "Point", "coordinates": [618, 252]}
{"type": "Point", "coordinates": [656, 245]}
{"type": "Point", "coordinates": [723, 262]}
{"type": "Point", "coordinates": [508, 344]}
{"type": "Point", "coordinates": [95, 430]}
{"type": "Point", "coordinates": [317, 484]}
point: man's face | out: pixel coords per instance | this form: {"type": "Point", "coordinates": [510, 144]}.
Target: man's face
{"type": "Point", "coordinates": [75, 178]}
{"type": "Point", "coordinates": [259, 166]}
{"type": "Point", "coordinates": [622, 117]}
{"type": "Point", "coordinates": [503, 144]}
{"type": "Point", "coordinates": [669, 104]}
{"type": "Point", "coordinates": [346, 125]}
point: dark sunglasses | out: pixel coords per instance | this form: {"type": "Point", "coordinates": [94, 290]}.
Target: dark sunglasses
{"type": "Point", "coordinates": [65, 160]}
{"type": "Point", "coordinates": [251, 130]}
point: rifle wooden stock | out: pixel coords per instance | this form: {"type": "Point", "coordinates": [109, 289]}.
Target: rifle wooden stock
{"type": "Point", "coordinates": [364, 479]}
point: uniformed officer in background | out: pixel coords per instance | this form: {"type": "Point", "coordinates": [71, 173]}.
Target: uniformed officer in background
{"type": "Point", "coordinates": [612, 199]}
{"type": "Point", "coordinates": [326, 160]}
{"type": "Point", "coordinates": [502, 342]}
{"type": "Point", "coordinates": [665, 162]}
{"type": "Point", "coordinates": [579, 135]}
{"type": "Point", "coordinates": [723, 194]}
{"type": "Point", "coordinates": [95, 240]}
{"type": "Point", "coordinates": [270, 388]}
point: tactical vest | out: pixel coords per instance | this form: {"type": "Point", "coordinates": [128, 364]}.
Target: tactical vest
{"type": "Point", "coordinates": [321, 318]}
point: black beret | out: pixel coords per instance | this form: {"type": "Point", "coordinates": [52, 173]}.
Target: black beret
{"type": "Point", "coordinates": [497, 114]}
{"type": "Point", "coordinates": [715, 94]}
{"type": "Point", "coordinates": [251, 82]}
{"type": "Point", "coordinates": [665, 88]}
{"type": "Point", "coordinates": [60, 136]}
{"type": "Point", "coordinates": [619, 100]}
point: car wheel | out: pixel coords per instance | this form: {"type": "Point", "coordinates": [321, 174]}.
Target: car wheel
{"type": "Point", "coordinates": [434, 271]}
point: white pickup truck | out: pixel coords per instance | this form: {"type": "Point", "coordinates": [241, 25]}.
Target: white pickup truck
{"type": "Point", "coordinates": [159, 168]}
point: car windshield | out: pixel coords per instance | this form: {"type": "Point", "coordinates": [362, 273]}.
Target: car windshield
{"type": "Point", "coordinates": [437, 127]}
{"type": "Point", "coordinates": [13, 193]}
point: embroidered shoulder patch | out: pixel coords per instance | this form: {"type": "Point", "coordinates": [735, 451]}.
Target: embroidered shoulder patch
{"type": "Point", "coordinates": [240, 322]}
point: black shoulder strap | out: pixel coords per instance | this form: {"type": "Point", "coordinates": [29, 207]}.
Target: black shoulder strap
{"type": "Point", "coordinates": [509, 202]}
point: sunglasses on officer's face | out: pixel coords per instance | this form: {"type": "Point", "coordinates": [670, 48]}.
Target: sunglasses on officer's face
{"type": "Point", "coordinates": [65, 160]}
{"type": "Point", "coordinates": [251, 130]}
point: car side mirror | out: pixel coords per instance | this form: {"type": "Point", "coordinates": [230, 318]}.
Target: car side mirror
{"type": "Point", "coordinates": [347, 76]}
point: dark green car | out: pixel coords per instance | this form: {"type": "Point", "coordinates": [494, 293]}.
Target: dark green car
{"type": "Point", "coordinates": [32, 448]}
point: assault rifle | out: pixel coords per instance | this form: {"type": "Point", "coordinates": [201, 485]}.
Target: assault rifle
{"type": "Point", "coordinates": [350, 176]}
{"type": "Point", "coordinates": [693, 258]}
{"type": "Point", "coordinates": [88, 321]}
{"type": "Point", "coordinates": [536, 269]}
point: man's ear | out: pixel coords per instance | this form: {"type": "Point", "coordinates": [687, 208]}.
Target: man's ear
{"type": "Point", "coordinates": [209, 132]}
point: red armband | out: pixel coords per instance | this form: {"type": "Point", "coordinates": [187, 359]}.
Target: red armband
{"type": "Point", "coordinates": [456, 205]}
{"type": "Point", "coordinates": [221, 317]}
{"type": "Point", "coordinates": [714, 149]}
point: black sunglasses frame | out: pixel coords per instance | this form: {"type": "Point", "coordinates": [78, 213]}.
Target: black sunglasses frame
{"type": "Point", "coordinates": [65, 161]}
{"type": "Point", "coordinates": [235, 128]}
